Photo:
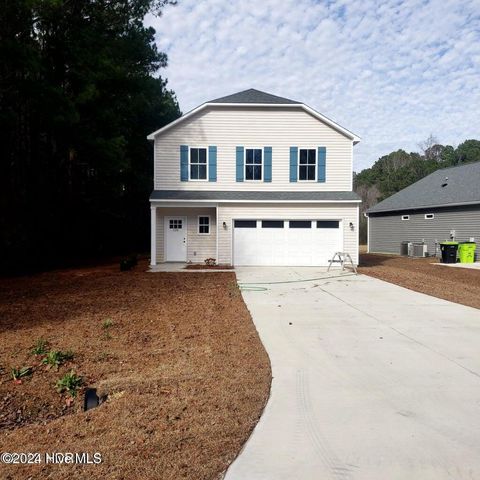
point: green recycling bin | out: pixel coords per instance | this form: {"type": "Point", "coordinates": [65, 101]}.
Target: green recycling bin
{"type": "Point", "coordinates": [466, 252]}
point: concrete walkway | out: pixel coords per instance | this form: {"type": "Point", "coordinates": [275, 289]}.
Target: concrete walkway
{"type": "Point", "coordinates": [371, 381]}
{"type": "Point", "coordinates": [473, 266]}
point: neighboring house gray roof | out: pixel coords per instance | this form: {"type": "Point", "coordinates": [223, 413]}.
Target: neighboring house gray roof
{"type": "Point", "coordinates": [241, 195]}
{"type": "Point", "coordinates": [252, 96]}
{"type": "Point", "coordinates": [442, 188]}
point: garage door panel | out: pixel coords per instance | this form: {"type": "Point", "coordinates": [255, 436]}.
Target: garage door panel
{"type": "Point", "coordinates": [285, 246]}
{"type": "Point", "coordinates": [330, 241]}
{"type": "Point", "coordinates": [300, 246]}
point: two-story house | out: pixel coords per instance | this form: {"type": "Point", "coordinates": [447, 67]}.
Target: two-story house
{"type": "Point", "coordinates": [253, 179]}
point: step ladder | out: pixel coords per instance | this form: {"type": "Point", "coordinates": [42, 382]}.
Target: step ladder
{"type": "Point", "coordinates": [343, 258]}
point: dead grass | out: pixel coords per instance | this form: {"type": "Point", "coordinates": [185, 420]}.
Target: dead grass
{"type": "Point", "coordinates": [181, 362]}
{"type": "Point", "coordinates": [458, 285]}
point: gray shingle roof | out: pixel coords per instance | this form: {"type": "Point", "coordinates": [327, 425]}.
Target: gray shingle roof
{"type": "Point", "coordinates": [252, 96]}
{"type": "Point", "coordinates": [231, 195]}
{"type": "Point", "coordinates": [462, 187]}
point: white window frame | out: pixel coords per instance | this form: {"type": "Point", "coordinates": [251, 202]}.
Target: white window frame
{"type": "Point", "coordinates": [245, 163]}
{"type": "Point", "coordinates": [315, 165]}
{"type": "Point", "coordinates": [209, 224]}
{"type": "Point", "coordinates": [405, 217]}
{"type": "Point", "coordinates": [190, 179]}
{"type": "Point", "coordinates": [429, 216]}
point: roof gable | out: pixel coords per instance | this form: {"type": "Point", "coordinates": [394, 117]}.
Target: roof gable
{"type": "Point", "coordinates": [445, 187]}
{"type": "Point", "coordinates": [254, 96]}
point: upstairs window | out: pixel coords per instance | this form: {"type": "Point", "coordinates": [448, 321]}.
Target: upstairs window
{"type": "Point", "coordinates": [198, 164]}
{"type": "Point", "coordinates": [253, 164]}
{"type": "Point", "coordinates": [307, 164]}
{"type": "Point", "coordinates": [429, 216]}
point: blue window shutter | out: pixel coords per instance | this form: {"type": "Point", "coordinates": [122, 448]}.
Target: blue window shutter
{"type": "Point", "coordinates": [239, 157]}
{"type": "Point", "coordinates": [212, 163]}
{"type": "Point", "coordinates": [184, 163]}
{"type": "Point", "coordinates": [322, 162]}
{"type": "Point", "coordinates": [293, 163]}
{"type": "Point", "coordinates": [267, 164]}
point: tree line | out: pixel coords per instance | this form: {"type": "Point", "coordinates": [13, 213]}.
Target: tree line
{"type": "Point", "coordinates": [79, 92]}
{"type": "Point", "coordinates": [397, 170]}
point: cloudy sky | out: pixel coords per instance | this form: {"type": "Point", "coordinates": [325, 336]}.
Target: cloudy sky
{"type": "Point", "coordinates": [393, 72]}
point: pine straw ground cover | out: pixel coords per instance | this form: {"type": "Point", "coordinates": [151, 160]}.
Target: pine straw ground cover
{"type": "Point", "coordinates": [460, 285]}
{"type": "Point", "coordinates": [177, 353]}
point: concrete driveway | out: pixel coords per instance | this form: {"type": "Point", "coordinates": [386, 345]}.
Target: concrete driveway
{"type": "Point", "coordinates": [371, 381]}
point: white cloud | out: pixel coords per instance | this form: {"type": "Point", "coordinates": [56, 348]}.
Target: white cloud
{"type": "Point", "coordinates": [392, 72]}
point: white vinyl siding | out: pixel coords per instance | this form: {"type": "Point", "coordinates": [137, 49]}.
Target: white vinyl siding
{"type": "Point", "coordinates": [277, 127]}
{"type": "Point", "coordinates": [283, 211]}
{"type": "Point", "coordinates": [199, 246]}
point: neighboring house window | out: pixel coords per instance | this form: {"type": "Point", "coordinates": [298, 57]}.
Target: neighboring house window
{"type": "Point", "coordinates": [405, 217]}
{"type": "Point", "coordinates": [253, 164]}
{"type": "Point", "coordinates": [307, 164]}
{"type": "Point", "coordinates": [204, 225]}
{"type": "Point", "coordinates": [198, 164]}
{"type": "Point", "coordinates": [429, 216]}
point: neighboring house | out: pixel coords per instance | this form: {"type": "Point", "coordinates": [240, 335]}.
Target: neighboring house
{"type": "Point", "coordinates": [441, 206]}
{"type": "Point", "coordinates": [253, 179]}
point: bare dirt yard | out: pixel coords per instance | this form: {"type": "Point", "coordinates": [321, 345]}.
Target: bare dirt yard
{"type": "Point", "coordinates": [459, 285]}
{"type": "Point", "coordinates": [177, 355]}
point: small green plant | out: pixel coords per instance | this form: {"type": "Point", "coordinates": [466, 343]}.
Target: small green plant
{"type": "Point", "coordinates": [69, 383]}
{"type": "Point", "coordinates": [233, 290]}
{"type": "Point", "coordinates": [40, 347]}
{"type": "Point", "coordinates": [18, 373]}
{"type": "Point", "coordinates": [107, 324]}
{"type": "Point", "coordinates": [55, 358]}
{"type": "Point", "coordinates": [104, 357]}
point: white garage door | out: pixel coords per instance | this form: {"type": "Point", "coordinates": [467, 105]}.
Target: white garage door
{"type": "Point", "coordinates": [286, 242]}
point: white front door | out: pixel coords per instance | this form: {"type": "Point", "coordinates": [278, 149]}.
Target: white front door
{"type": "Point", "coordinates": [175, 239]}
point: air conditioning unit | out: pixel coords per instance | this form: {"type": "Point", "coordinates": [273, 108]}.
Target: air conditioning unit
{"type": "Point", "coordinates": [419, 250]}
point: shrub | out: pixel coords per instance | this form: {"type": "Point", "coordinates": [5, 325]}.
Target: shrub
{"type": "Point", "coordinates": [211, 262]}
{"type": "Point", "coordinates": [107, 324]}
{"type": "Point", "coordinates": [128, 263]}
{"type": "Point", "coordinates": [40, 347]}
{"type": "Point", "coordinates": [69, 383]}
{"type": "Point", "coordinates": [55, 358]}
{"type": "Point", "coordinates": [18, 373]}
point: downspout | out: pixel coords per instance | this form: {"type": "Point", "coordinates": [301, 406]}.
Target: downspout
{"type": "Point", "coordinates": [216, 224]}
{"type": "Point", "coordinates": [365, 214]}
